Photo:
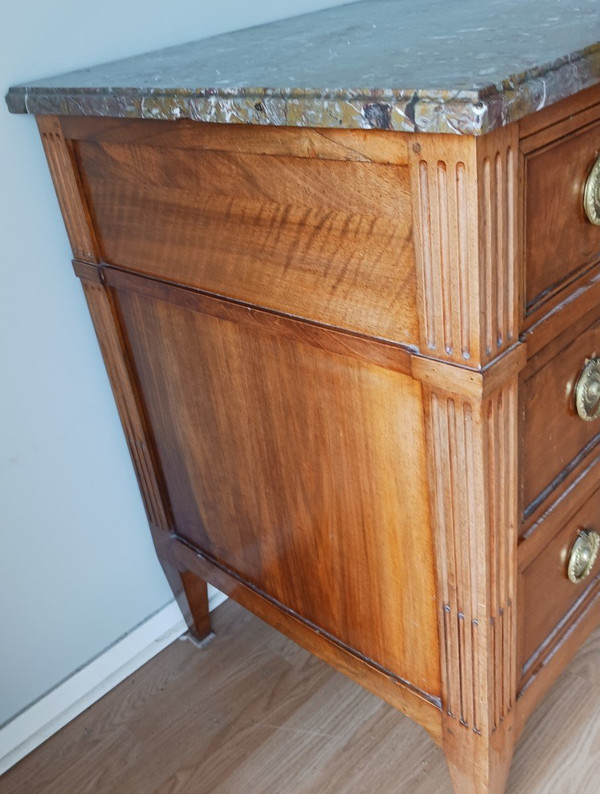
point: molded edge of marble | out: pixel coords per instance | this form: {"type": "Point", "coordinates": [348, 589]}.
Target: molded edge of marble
{"type": "Point", "coordinates": [469, 112]}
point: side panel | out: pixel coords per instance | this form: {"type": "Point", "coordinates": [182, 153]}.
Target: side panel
{"type": "Point", "coordinates": [329, 240]}
{"type": "Point", "coordinates": [300, 469]}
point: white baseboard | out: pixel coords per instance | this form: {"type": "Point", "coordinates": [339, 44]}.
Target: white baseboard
{"type": "Point", "coordinates": [63, 703]}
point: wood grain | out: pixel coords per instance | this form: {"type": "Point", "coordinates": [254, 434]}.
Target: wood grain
{"type": "Point", "coordinates": [473, 484]}
{"type": "Point", "coordinates": [384, 354]}
{"type": "Point", "coordinates": [376, 146]}
{"type": "Point", "coordinates": [403, 695]}
{"type": "Point", "coordinates": [68, 188]}
{"type": "Point", "coordinates": [466, 236]}
{"type": "Point", "coordinates": [555, 440]}
{"type": "Point", "coordinates": [280, 461]}
{"type": "Point", "coordinates": [136, 431]}
{"type": "Point", "coordinates": [191, 596]}
{"type": "Point", "coordinates": [253, 709]}
{"type": "Point", "coordinates": [559, 239]}
{"type": "Point", "coordinates": [581, 624]}
{"type": "Point", "coordinates": [547, 596]}
{"type": "Point", "coordinates": [313, 339]}
{"type": "Point", "coordinates": [326, 240]}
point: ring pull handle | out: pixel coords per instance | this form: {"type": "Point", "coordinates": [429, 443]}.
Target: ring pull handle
{"type": "Point", "coordinates": [587, 391]}
{"type": "Point", "coordinates": [591, 194]}
{"type": "Point", "coordinates": [583, 555]}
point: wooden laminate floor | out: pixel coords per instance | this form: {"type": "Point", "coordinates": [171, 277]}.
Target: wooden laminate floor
{"type": "Point", "coordinates": [252, 713]}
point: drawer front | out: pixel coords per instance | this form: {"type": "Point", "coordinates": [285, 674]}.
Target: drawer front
{"type": "Point", "coordinates": [555, 438]}
{"type": "Point", "coordinates": [547, 594]}
{"type": "Point", "coordinates": [559, 239]}
{"type": "Point", "coordinates": [322, 239]}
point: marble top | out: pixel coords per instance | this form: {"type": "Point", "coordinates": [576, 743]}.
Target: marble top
{"type": "Point", "coordinates": [455, 66]}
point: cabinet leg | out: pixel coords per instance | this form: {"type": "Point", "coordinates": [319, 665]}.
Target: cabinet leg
{"type": "Point", "coordinates": [191, 594]}
{"type": "Point", "coordinates": [189, 590]}
{"type": "Point", "coordinates": [193, 602]}
{"type": "Point", "coordinates": [478, 765]}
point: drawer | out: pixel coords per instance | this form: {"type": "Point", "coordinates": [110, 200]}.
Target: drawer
{"type": "Point", "coordinates": [555, 438]}
{"type": "Point", "coordinates": [547, 595]}
{"type": "Point", "coordinates": [323, 239]}
{"type": "Point", "coordinates": [559, 239]}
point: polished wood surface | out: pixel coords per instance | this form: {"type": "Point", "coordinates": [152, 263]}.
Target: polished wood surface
{"type": "Point", "coordinates": [192, 596]}
{"type": "Point", "coordinates": [391, 688]}
{"type": "Point", "coordinates": [328, 240]}
{"type": "Point", "coordinates": [547, 595]}
{"type": "Point", "coordinates": [559, 240]}
{"type": "Point", "coordinates": [467, 233]}
{"type": "Point", "coordinates": [555, 439]}
{"type": "Point", "coordinates": [69, 190]}
{"type": "Point", "coordinates": [345, 367]}
{"type": "Point", "coordinates": [253, 711]}
{"type": "Point", "coordinates": [266, 484]}
{"type": "Point", "coordinates": [469, 299]}
{"type": "Point", "coordinates": [365, 146]}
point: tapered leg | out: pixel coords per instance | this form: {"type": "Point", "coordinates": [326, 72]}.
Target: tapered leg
{"type": "Point", "coordinates": [478, 765]}
{"type": "Point", "coordinates": [190, 591]}
{"type": "Point", "coordinates": [194, 605]}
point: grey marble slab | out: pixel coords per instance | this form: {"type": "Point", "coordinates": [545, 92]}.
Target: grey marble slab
{"type": "Point", "coordinates": [456, 66]}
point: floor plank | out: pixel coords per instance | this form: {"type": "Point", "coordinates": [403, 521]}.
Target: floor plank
{"type": "Point", "coordinates": [253, 712]}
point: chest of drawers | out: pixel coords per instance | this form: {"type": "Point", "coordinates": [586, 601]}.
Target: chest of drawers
{"type": "Point", "coordinates": [356, 371]}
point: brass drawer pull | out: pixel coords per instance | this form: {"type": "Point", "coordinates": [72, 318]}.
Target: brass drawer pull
{"type": "Point", "coordinates": [583, 555]}
{"type": "Point", "coordinates": [587, 391]}
{"type": "Point", "coordinates": [591, 194]}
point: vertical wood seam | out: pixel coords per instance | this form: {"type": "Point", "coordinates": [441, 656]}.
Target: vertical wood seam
{"type": "Point", "coordinates": [69, 190]}
{"type": "Point", "coordinates": [466, 236]}
{"type": "Point", "coordinates": [475, 547]}
{"type": "Point", "coordinates": [497, 249]}
{"type": "Point", "coordinates": [127, 404]}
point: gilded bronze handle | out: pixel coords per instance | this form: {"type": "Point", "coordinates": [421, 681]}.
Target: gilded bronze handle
{"type": "Point", "coordinates": [587, 391]}
{"type": "Point", "coordinates": [583, 555]}
{"type": "Point", "coordinates": [591, 194]}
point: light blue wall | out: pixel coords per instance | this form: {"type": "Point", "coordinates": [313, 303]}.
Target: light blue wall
{"type": "Point", "coordinates": [77, 566]}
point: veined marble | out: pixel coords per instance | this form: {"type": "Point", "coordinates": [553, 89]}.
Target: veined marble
{"type": "Point", "coordinates": [450, 66]}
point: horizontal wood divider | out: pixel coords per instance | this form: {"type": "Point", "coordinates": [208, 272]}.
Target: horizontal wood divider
{"type": "Point", "coordinates": [401, 694]}
{"type": "Point", "coordinates": [335, 340]}
{"type": "Point", "coordinates": [375, 146]}
{"type": "Point", "coordinates": [463, 381]}
{"type": "Point", "coordinates": [469, 383]}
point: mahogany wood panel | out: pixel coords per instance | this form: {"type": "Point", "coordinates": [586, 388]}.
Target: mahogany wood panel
{"type": "Point", "coordinates": [555, 439]}
{"type": "Point", "coordinates": [282, 462]}
{"type": "Point", "coordinates": [559, 239]}
{"type": "Point", "coordinates": [327, 240]}
{"type": "Point", "coordinates": [547, 594]}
